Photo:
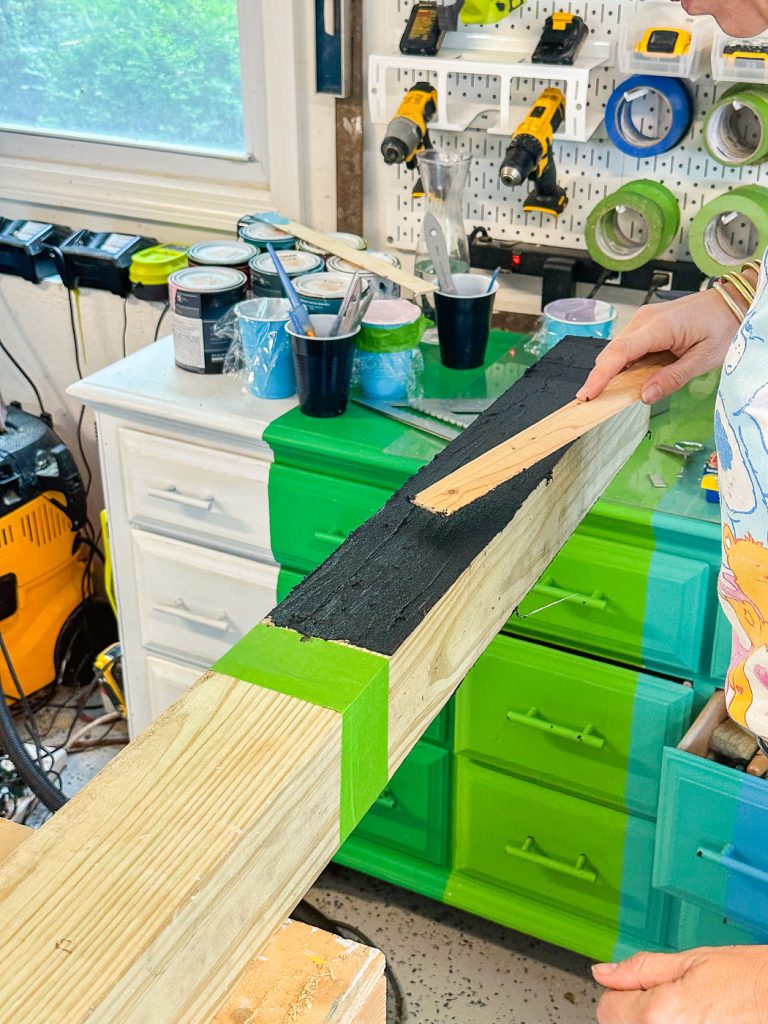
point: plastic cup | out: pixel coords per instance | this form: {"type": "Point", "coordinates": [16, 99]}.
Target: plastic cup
{"type": "Point", "coordinates": [384, 376]}
{"type": "Point", "coordinates": [584, 318]}
{"type": "Point", "coordinates": [464, 321]}
{"type": "Point", "coordinates": [323, 367]}
{"type": "Point", "coordinates": [266, 346]}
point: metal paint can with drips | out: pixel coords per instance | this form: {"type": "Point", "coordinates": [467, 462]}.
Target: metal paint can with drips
{"type": "Point", "coordinates": [199, 298]}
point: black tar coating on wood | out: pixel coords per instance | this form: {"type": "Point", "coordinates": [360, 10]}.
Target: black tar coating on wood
{"type": "Point", "coordinates": [378, 586]}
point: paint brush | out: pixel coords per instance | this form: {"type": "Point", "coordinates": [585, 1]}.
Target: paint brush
{"type": "Point", "coordinates": [298, 313]}
{"type": "Point", "coordinates": [347, 307]}
{"type": "Point", "coordinates": [492, 282]}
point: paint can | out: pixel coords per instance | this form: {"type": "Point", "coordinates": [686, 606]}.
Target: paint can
{"type": "Point", "coordinates": [199, 297]}
{"type": "Point", "coordinates": [380, 284]}
{"type": "Point", "coordinates": [257, 234]}
{"type": "Point", "coordinates": [223, 252]}
{"type": "Point", "coordinates": [353, 241]}
{"type": "Point", "coordinates": [322, 292]}
{"type": "Point", "coordinates": [295, 263]}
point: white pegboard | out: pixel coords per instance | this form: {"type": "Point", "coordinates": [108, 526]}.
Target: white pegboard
{"type": "Point", "coordinates": [588, 170]}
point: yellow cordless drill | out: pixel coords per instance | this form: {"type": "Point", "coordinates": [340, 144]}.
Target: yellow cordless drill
{"type": "Point", "coordinates": [529, 155]}
{"type": "Point", "coordinates": [407, 133]}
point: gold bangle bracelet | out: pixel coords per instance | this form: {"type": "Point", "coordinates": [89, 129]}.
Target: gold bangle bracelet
{"type": "Point", "coordinates": [742, 286]}
{"type": "Point", "coordinates": [755, 265]}
{"type": "Point", "coordinates": [729, 301]}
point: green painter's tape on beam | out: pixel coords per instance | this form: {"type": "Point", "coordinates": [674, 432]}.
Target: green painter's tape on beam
{"type": "Point", "coordinates": [345, 679]}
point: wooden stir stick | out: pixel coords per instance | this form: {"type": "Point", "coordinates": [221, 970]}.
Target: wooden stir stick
{"type": "Point", "coordinates": [536, 442]}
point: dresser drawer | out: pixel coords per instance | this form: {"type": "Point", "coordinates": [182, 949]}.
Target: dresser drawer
{"type": "Point", "coordinates": [711, 843]}
{"type": "Point", "coordinates": [597, 730]}
{"type": "Point", "coordinates": [722, 639]}
{"type": "Point", "coordinates": [312, 515]}
{"type": "Point", "coordinates": [412, 814]}
{"type": "Point", "coordinates": [692, 926]}
{"type": "Point", "coordinates": [593, 599]}
{"type": "Point", "coordinates": [196, 602]}
{"type": "Point", "coordinates": [573, 855]}
{"type": "Point", "coordinates": [167, 681]}
{"type": "Point", "coordinates": [196, 492]}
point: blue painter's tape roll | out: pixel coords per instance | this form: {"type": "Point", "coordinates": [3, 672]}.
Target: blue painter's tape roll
{"type": "Point", "coordinates": [674, 108]}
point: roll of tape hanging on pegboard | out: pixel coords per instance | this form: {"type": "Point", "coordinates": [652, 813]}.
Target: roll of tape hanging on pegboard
{"type": "Point", "coordinates": [736, 128]}
{"type": "Point", "coordinates": [633, 226]}
{"type": "Point", "coordinates": [628, 130]}
{"type": "Point", "coordinates": [730, 230]}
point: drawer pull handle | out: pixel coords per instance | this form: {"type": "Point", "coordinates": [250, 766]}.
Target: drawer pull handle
{"type": "Point", "coordinates": [530, 852]}
{"type": "Point", "coordinates": [180, 611]}
{"type": "Point", "coordinates": [387, 800]}
{"type": "Point", "coordinates": [535, 720]}
{"type": "Point", "coordinates": [727, 860]}
{"type": "Point", "coordinates": [550, 590]}
{"type": "Point", "coordinates": [334, 537]}
{"type": "Point", "coordinates": [171, 494]}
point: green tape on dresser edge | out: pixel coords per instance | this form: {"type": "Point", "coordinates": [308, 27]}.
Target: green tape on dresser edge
{"type": "Point", "coordinates": [332, 675]}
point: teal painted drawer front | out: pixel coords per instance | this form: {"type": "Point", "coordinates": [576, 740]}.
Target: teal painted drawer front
{"type": "Point", "coordinates": [721, 648]}
{"type": "Point", "coordinates": [570, 722]}
{"type": "Point", "coordinates": [692, 926]}
{"type": "Point", "coordinates": [545, 845]}
{"type": "Point", "coordinates": [413, 813]}
{"type": "Point", "coordinates": [597, 593]}
{"type": "Point", "coordinates": [311, 515]}
{"type": "Point", "coordinates": [712, 838]}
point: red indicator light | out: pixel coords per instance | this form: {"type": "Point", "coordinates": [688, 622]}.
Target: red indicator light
{"type": "Point", "coordinates": [517, 260]}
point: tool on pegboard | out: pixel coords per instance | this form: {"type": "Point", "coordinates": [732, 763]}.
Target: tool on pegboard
{"type": "Point", "coordinates": [407, 133]}
{"type": "Point", "coordinates": [424, 32]}
{"type": "Point", "coordinates": [487, 12]}
{"type": "Point", "coordinates": [563, 36]}
{"type": "Point", "coordinates": [529, 155]}
{"type": "Point", "coordinates": [664, 42]}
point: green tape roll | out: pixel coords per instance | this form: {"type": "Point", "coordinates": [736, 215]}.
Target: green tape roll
{"type": "Point", "coordinates": [613, 245]}
{"type": "Point", "coordinates": [730, 230]}
{"type": "Point", "coordinates": [736, 128]}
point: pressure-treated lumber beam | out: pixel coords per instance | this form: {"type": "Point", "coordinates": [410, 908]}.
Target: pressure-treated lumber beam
{"type": "Point", "coordinates": [189, 848]}
{"type": "Point", "coordinates": [553, 432]}
{"type": "Point", "coordinates": [303, 975]}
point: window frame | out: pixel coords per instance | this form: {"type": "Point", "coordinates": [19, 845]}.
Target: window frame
{"type": "Point", "coordinates": [145, 182]}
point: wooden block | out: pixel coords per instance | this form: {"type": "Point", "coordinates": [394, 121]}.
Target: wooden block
{"type": "Point", "coordinates": [11, 835]}
{"type": "Point", "coordinates": [549, 435]}
{"type": "Point", "coordinates": [188, 850]}
{"type": "Point", "coordinates": [360, 258]}
{"type": "Point", "coordinates": [696, 740]}
{"type": "Point", "coordinates": [307, 976]}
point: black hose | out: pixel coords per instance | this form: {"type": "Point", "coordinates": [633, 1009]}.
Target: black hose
{"type": "Point", "coordinates": [29, 770]}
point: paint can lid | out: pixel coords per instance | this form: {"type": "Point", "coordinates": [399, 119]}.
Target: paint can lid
{"type": "Point", "coordinates": [207, 279]}
{"type": "Point", "coordinates": [222, 252]}
{"type": "Point", "coordinates": [258, 231]}
{"type": "Point", "coordinates": [322, 285]}
{"type": "Point", "coordinates": [294, 262]}
{"type": "Point", "coordinates": [353, 241]}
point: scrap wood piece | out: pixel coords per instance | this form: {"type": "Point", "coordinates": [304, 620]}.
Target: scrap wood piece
{"type": "Point", "coordinates": [188, 850]}
{"type": "Point", "coordinates": [308, 976]}
{"type": "Point", "coordinates": [304, 975]}
{"type": "Point", "coordinates": [536, 442]}
{"type": "Point", "coordinates": [360, 258]}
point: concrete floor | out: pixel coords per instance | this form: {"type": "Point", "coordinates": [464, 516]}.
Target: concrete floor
{"type": "Point", "coordinates": [457, 968]}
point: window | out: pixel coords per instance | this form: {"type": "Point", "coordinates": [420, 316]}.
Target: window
{"type": "Point", "coordinates": [157, 73]}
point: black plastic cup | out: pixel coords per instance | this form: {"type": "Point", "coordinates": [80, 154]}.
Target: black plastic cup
{"type": "Point", "coordinates": [323, 368]}
{"type": "Point", "coordinates": [464, 321]}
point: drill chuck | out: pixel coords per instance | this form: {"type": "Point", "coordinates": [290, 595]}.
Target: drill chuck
{"type": "Point", "coordinates": [403, 139]}
{"type": "Point", "coordinates": [520, 161]}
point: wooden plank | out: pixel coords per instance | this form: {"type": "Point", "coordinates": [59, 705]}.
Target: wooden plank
{"type": "Point", "coordinates": [11, 835]}
{"type": "Point", "coordinates": [307, 976]}
{"type": "Point", "coordinates": [530, 446]}
{"type": "Point", "coordinates": [304, 975]}
{"type": "Point", "coordinates": [192, 846]}
{"type": "Point", "coordinates": [361, 259]}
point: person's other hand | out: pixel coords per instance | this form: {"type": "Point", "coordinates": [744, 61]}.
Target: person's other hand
{"type": "Point", "coordinates": [698, 329]}
{"type": "Point", "coordinates": [712, 985]}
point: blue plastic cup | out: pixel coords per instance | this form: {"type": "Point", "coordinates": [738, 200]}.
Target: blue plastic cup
{"type": "Point", "coordinates": [266, 346]}
{"type": "Point", "coordinates": [584, 318]}
{"type": "Point", "coordinates": [384, 376]}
